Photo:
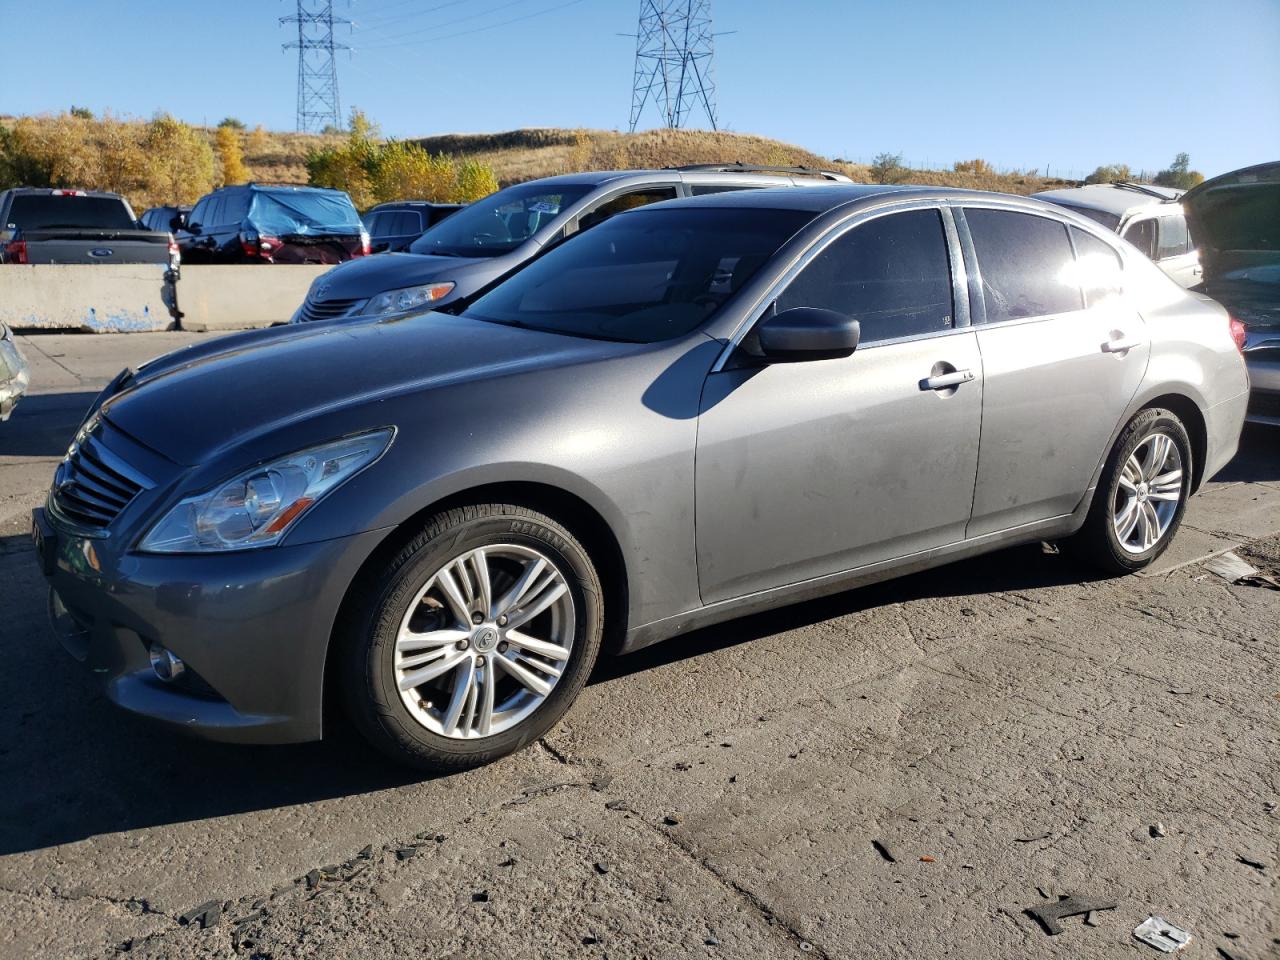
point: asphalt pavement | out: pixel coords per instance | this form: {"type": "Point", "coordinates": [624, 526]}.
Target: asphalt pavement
{"type": "Point", "coordinates": [897, 771]}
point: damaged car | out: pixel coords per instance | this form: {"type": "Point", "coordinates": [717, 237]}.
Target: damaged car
{"type": "Point", "coordinates": [1237, 218]}
{"type": "Point", "coordinates": [263, 223]}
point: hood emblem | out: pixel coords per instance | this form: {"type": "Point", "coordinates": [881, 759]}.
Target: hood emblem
{"type": "Point", "coordinates": [322, 291]}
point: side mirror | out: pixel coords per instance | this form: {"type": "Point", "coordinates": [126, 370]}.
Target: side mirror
{"type": "Point", "coordinates": [177, 222]}
{"type": "Point", "coordinates": [808, 333]}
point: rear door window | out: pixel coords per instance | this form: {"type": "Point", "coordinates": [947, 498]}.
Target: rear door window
{"type": "Point", "coordinates": [891, 274]}
{"type": "Point", "coordinates": [235, 207]}
{"type": "Point", "coordinates": [403, 223]}
{"type": "Point", "coordinates": [1027, 264]}
{"type": "Point", "coordinates": [1142, 235]}
{"type": "Point", "coordinates": [1098, 266]}
{"type": "Point", "coordinates": [1173, 238]}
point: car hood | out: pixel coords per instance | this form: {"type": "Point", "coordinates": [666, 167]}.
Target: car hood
{"type": "Point", "coordinates": [1235, 219]}
{"type": "Point", "coordinates": [195, 403]}
{"type": "Point", "coordinates": [367, 277]}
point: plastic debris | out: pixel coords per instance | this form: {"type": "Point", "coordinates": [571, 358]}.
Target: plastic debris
{"type": "Point", "coordinates": [1160, 933]}
{"type": "Point", "coordinates": [206, 915]}
{"type": "Point", "coordinates": [1048, 914]}
{"type": "Point", "coordinates": [1230, 567]}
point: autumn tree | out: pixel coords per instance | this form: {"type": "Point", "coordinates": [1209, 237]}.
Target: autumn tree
{"type": "Point", "coordinates": [230, 156]}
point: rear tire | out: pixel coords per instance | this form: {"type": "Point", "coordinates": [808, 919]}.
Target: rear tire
{"type": "Point", "coordinates": [473, 640]}
{"type": "Point", "coordinates": [1141, 495]}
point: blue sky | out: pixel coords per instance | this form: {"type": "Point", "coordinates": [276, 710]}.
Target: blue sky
{"type": "Point", "coordinates": [1069, 84]}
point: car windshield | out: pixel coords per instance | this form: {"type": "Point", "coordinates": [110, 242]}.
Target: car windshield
{"type": "Point", "coordinates": [53, 211]}
{"type": "Point", "coordinates": [643, 276]}
{"type": "Point", "coordinates": [500, 222]}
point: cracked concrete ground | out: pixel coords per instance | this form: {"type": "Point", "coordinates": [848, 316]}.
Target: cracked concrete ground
{"type": "Point", "coordinates": [1007, 730]}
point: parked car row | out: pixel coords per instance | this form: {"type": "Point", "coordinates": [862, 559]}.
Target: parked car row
{"type": "Point", "coordinates": [642, 403]}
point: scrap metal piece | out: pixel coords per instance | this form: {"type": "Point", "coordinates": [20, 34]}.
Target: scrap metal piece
{"type": "Point", "coordinates": [206, 914]}
{"type": "Point", "coordinates": [1160, 933]}
{"type": "Point", "coordinates": [1048, 914]}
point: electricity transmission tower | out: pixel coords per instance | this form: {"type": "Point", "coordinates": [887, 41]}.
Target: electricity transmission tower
{"type": "Point", "coordinates": [318, 105]}
{"type": "Point", "coordinates": [674, 44]}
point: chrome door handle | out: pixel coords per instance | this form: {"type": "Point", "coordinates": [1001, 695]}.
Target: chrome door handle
{"type": "Point", "coordinates": [1120, 345]}
{"type": "Point", "coordinates": [945, 380]}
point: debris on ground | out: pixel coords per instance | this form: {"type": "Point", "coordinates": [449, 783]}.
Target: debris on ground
{"type": "Point", "coordinates": [1048, 914]}
{"type": "Point", "coordinates": [927, 859]}
{"type": "Point", "coordinates": [884, 851]}
{"type": "Point", "coordinates": [1034, 836]}
{"type": "Point", "coordinates": [1157, 830]}
{"type": "Point", "coordinates": [1234, 569]}
{"type": "Point", "coordinates": [671, 819]}
{"type": "Point", "coordinates": [404, 853]}
{"type": "Point", "coordinates": [1249, 861]}
{"type": "Point", "coordinates": [206, 915]}
{"type": "Point", "coordinates": [1160, 933]}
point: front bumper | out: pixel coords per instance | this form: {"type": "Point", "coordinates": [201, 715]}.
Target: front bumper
{"type": "Point", "coordinates": [254, 628]}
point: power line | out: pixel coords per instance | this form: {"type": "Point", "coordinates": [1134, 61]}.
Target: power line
{"type": "Point", "coordinates": [318, 102]}
{"type": "Point", "coordinates": [464, 33]}
{"type": "Point", "coordinates": [674, 46]}
{"type": "Point", "coordinates": [445, 23]}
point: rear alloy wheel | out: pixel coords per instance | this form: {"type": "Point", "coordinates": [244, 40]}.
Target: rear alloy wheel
{"type": "Point", "coordinates": [1141, 495]}
{"type": "Point", "coordinates": [475, 639]}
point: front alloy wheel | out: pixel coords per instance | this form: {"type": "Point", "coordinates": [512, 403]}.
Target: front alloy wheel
{"type": "Point", "coordinates": [485, 641]}
{"type": "Point", "coordinates": [473, 640]}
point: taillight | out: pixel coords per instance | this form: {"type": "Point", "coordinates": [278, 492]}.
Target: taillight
{"type": "Point", "coordinates": [254, 245]}
{"type": "Point", "coordinates": [1239, 333]}
{"type": "Point", "coordinates": [16, 251]}
{"type": "Point", "coordinates": [268, 245]}
{"type": "Point", "coordinates": [175, 254]}
{"type": "Point", "coordinates": [366, 245]}
{"type": "Point", "coordinates": [68, 193]}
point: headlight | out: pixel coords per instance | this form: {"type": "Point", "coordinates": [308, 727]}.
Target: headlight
{"type": "Point", "coordinates": [259, 506]}
{"type": "Point", "coordinates": [410, 298]}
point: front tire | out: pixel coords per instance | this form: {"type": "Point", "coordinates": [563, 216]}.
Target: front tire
{"type": "Point", "coordinates": [473, 640]}
{"type": "Point", "coordinates": [1141, 495]}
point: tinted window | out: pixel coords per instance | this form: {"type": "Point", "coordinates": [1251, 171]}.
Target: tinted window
{"type": "Point", "coordinates": [628, 201]}
{"type": "Point", "coordinates": [213, 214]}
{"type": "Point", "coordinates": [702, 189]}
{"type": "Point", "coordinates": [373, 224]}
{"type": "Point", "coordinates": [1174, 241]}
{"type": "Point", "coordinates": [1108, 220]}
{"type": "Point", "coordinates": [1143, 236]}
{"type": "Point", "coordinates": [891, 274]}
{"type": "Point", "coordinates": [235, 207]}
{"type": "Point", "coordinates": [33, 211]}
{"type": "Point", "coordinates": [402, 223]}
{"type": "Point", "coordinates": [500, 222]}
{"type": "Point", "coordinates": [1098, 267]}
{"type": "Point", "coordinates": [1026, 262]}
{"type": "Point", "coordinates": [197, 214]}
{"type": "Point", "coordinates": [646, 276]}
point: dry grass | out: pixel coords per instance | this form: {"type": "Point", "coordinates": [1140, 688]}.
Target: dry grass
{"type": "Point", "coordinates": [518, 155]}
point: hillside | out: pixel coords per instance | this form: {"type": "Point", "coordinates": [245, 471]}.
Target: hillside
{"type": "Point", "coordinates": [516, 155]}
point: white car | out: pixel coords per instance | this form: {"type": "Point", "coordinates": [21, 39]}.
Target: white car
{"type": "Point", "coordinates": [1149, 217]}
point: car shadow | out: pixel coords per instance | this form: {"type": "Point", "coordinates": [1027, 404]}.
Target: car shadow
{"type": "Point", "coordinates": [42, 425]}
{"type": "Point", "coordinates": [1259, 458]}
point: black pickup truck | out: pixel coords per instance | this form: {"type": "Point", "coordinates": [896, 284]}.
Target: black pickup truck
{"type": "Point", "coordinates": [42, 225]}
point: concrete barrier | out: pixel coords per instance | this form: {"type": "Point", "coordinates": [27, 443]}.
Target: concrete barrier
{"type": "Point", "coordinates": [103, 298]}
{"type": "Point", "coordinates": [239, 296]}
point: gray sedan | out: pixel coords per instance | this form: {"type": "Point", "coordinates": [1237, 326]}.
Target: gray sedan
{"type": "Point", "coordinates": [695, 410]}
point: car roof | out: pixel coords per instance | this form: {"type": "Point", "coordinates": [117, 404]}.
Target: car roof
{"type": "Point", "coordinates": [38, 191]}
{"type": "Point", "coordinates": [392, 204]}
{"type": "Point", "coordinates": [599, 178]}
{"type": "Point", "coordinates": [1109, 197]}
{"type": "Point", "coordinates": [819, 199]}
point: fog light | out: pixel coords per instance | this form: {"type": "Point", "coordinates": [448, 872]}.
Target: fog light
{"type": "Point", "coordinates": [167, 665]}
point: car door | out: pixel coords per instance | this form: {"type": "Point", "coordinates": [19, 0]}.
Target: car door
{"type": "Point", "coordinates": [191, 240]}
{"type": "Point", "coordinates": [808, 469]}
{"type": "Point", "coordinates": [1175, 254]}
{"type": "Point", "coordinates": [1063, 352]}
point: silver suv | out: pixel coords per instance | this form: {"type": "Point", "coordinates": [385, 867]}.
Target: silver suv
{"type": "Point", "coordinates": [491, 237]}
{"type": "Point", "coordinates": [1149, 217]}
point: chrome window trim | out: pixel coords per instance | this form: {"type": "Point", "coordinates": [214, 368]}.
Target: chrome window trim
{"type": "Point", "coordinates": [760, 306]}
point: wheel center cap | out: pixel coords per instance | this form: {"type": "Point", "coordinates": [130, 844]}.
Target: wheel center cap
{"type": "Point", "coordinates": [485, 639]}
{"type": "Point", "coordinates": [1143, 492]}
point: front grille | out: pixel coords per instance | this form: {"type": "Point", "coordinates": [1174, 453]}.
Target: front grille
{"type": "Point", "coordinates": [325, 309]}
{"type": "Point", "coordinates": [93, 484]}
